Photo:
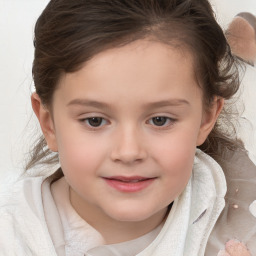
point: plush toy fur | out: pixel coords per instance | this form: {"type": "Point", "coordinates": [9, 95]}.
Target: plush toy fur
{"type": "Point", "coordinates": [241, 35]}
{"type": "Point", "coordinates": [234, 248]}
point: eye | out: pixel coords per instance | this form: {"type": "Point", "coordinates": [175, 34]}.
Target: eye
{"type": "Point", "coordinates": [161, 121]}
{"type": "Point", "coordinates": [95, 121]}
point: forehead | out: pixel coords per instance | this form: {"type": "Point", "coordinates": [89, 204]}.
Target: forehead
{"type": "Point", "coordinates": [142, 67]}
{"type": "Point", "coordinates": [146, 50]}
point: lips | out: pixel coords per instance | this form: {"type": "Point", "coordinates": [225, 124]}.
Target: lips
{"type": "Point", "coordinates": [129, 184]}
{"type": "Point", "coordinates": [128, 179]}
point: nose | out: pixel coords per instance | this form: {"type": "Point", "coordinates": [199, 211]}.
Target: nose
{"type": "Point", "coordinates": [128, 147]}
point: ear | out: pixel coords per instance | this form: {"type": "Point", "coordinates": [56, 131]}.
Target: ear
{"type": "Point", "coordinates": [209, 119]}
{"type": "Point", "coordinates": [46, 122]}
{"type": "Point", "coordinates": [241, 36]}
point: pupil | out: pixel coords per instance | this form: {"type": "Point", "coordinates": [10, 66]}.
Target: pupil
{"type": "Point", "coordinates": [95, 121]}
{"type": "Point", "coordinates": [159, 121]}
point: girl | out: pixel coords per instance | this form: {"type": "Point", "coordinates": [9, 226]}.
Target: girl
{"type": "Point", "coordinates": [129, 96]}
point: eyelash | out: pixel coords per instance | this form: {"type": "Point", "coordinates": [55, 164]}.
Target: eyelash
{"type": "Point", "coordinates": [168, 121]}
{"type": "Point", "coordinates": [87, 120]}
{"type": "Point", "coordinates": [165, 122]}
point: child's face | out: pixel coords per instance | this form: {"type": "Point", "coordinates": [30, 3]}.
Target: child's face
{"type": "Point", "coordinates": [126, 127]}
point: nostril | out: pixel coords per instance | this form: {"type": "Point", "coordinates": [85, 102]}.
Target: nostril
{"type": "Point", "coordinates": [128, 158]}
{"type": "Point", "coordinates": [128, 154]}
{"type": "Point", "coordinates": [128, 146]}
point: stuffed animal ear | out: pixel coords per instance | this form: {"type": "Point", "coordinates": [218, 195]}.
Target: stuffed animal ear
{"type": "Point", "coordinates": [241, 36]}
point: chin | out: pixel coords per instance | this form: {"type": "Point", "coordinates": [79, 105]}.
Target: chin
{"type": "Point", "coordinates": [132, 214]}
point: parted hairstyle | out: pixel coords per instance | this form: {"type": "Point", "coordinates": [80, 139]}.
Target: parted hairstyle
{"type": "Point", "coordinates": [69, 33]}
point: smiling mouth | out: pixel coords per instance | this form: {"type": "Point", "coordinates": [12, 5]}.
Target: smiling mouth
{"type": "Point", "coordinates": [128, 179]}
{"type": "Point", "coordinates": [129, 184]}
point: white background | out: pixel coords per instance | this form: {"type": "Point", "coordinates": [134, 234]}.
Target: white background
{"type": "Point", "coordinates": [17, 19]}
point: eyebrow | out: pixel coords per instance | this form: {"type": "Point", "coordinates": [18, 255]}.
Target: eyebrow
{"type": "Point", "coordinates": [91, 103]}
{"type": "Point", "coordinates": [166, 103]}
{"type": "Point", "coordinates": [101, 105]}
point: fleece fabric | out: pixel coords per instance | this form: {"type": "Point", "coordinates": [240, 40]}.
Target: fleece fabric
{"type": "Point", "coordinates": [30, 223]}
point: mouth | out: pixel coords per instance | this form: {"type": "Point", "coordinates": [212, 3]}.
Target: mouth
{"type": "Point", "coordinates": [129, 184]}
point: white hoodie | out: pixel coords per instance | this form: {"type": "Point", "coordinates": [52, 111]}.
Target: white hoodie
{"type": "Point", "coordinates": [30, 223]}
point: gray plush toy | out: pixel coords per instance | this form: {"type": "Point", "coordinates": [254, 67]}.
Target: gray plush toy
{"type": "Point", "coordinates": [241, 35]}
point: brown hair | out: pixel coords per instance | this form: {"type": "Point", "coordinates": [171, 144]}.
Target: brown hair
{"type": "Point", "coordinates": [69, 33]}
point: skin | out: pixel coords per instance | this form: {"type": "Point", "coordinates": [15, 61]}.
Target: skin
{"type": "Point", "coordinates": [131, 86]}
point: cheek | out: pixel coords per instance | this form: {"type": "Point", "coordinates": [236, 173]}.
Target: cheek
{"type": "Point", "coordinates": [179, 165]}
{"type": "Point", "coordinates": [79, 155]}
{"type": "Point", "coordinates": [178, 148]}
{"type": "Point", "coordinates": [176, 157]}
{"type": "Point", "coordinates": [177, 171]}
